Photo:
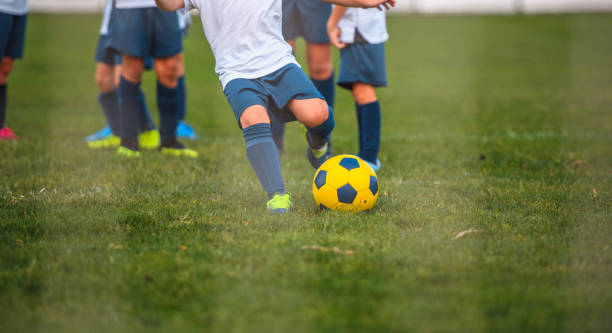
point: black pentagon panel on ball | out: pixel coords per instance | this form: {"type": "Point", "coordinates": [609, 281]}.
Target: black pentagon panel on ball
{"type": "Point", "coordinates": [320, 179]}
{"type": "Point", "coordinates": [349, 163]}
{"type": "Point", "coordinates": [323, 207]}
{"type": "Point", "coordinates": [373, 185]}
{"type": "Point", "coordinates": [347, 194]}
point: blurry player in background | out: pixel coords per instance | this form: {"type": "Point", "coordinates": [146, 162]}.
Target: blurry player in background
{"type": "Point", "coordinates": [108, 70]}
{"type": "Point", "coordinates": [138, 30]}
{"type": "Point", "coordinates": [307, 19]}
{"type": "Point", "coordinates": [360, 34]}
{"type": "Point", "coordinates": [13, 21]}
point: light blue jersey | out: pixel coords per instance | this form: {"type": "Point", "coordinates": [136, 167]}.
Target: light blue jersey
{"type": "Point", "coordinates": [14, 7]}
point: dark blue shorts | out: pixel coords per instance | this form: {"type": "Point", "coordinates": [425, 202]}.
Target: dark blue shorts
{"type": "Point", "coordinates": [273, 91]}
{"type": "Point", "coordinates": [363, 63]}
{"type": "Point", "coordinates": [306, 18]}
{"type": "Point", "coordinates": [109, 56]}
{"type": "Point", "coordinates": [12, 35]}
{"type": "Point", "coordinates": [105, 54]}
{"type": "Point", "coordinates": [145, 32]}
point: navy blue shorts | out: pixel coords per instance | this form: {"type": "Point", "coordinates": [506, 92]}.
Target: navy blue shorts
{"type": "Point", "coordinates": [273, 91]}
{"type": "Point", "coordinates": [363, 63]}
{"type": "Point", "coordinates": [12, 35]}
{"type": "Point", "coordinates": [306, 18]}
{"type": "Point", "coordinates": [145, 32]}
{"type": "Point", "coordinates": [105, 54]}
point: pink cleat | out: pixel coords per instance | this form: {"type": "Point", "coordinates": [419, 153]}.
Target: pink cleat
{"type": "Point", "coordinates": [7, 134]}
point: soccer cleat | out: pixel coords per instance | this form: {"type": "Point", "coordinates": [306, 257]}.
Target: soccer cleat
{"type": "Point", "coordinates": [316, 157]}
{"type": "Point", "coordinates": [7, 134]}
{"type": "Point", "coordinates": [149, 139]}
{"type": "Point", "coordinates": [100, 135]}
{"type": "Point", "coordinates": [174, 148]}
{"type": "Point", "coordinates": [185, 131]}
{"type": "Point", "coordinates": [376, 166]}
{"type": "Point", "coordinates": [280, 203]}
{"type": "Point", "coordinates": [111, 141]}
{"type": "Point", "coordinates": [127, 152]}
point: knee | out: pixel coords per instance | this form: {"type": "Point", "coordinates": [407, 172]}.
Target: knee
{"type": "Point", "coordinates": [320, 69]}
{"type": "Point", "coordinates": [132, 68]}
{"type": "Point", "coordinates": [319, 114]}
{"type": "Point", "coordinates": [364, 93]}
{"type": "Point", "coordinates": [253, 115]}
{"type": "Point", "coordinates": [168, 71]}
{"type": "Point", "coordinates": [105, 80]}
{"type": "Point", "coordinates": [5, 69]}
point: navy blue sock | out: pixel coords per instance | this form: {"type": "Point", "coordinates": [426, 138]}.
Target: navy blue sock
{"type": "Point", "coordinates": [318, 136]}
{"type": "Point", "coordinates": [168, 104]}
{"type": "Point", "coordinates": [278, 132]}
{"type": "Point", "coordinates": [182, 92]}
{"type": "Point", "coordinates": [129, 106]}
{"type": "Point", "coordinates": [2, 104]}
{"type": "Point", "coordinates": [144, 116]}
{"type": "Point", "coordinates": [369, 133]}
{"type": "Point", "coordinates": [264, 158]}
{"type": "Point", "coordinates": [326, 88]}
{"type": "Point", "coordinates": [110, 106]}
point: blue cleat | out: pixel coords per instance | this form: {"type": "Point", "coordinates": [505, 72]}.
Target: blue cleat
{"type": "Point", "coordinates": [102, 134]}
{"type": "Point", "coordinates": [185, 131]}
{"type": "Point", "coordinates": [376, 166]}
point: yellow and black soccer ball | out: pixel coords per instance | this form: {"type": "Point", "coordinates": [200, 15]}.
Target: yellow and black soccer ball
{"type": "Point", "coordinates": [347, 183]}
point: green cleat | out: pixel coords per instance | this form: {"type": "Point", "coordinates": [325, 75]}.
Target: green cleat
{"type": "Point", "coordinates": [149, 139]}
{"type": "Point", "coordinates": [280, 204]}
{"type": "Point", "coordinates": [180, 152]}
{"type": "Point", "coordinates": [111, 141]}
{"type": "Point", "coordinates": [174, 148]}
{"type": "Point", "coordinates": [316, 157]}
{"type": "Point", "coordinates": [127, 152]}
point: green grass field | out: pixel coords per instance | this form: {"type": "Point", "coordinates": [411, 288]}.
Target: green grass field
{"type": "Point", "coordinates": [499, 125]}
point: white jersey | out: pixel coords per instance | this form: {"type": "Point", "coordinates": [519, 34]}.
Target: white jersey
{"type": "Point", "coordinates": [108, 10]}
{"type": "Point", "coordinates": [184, 18]}
{"type": "Point", "coordinates": [245, 36]}
{"type": "Point", "coordinates": [14, 7]}
{"type": "Point", "coordinates": [371, 24]}
{"type": "Point", "coordinates": [134, 3]}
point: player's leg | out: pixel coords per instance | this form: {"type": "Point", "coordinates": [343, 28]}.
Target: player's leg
{"type": "Point", "coordinates": [109, 102]}
{"type": "Point", "coordinates": [6, 66]}
{"type": "Point", "coordinates": [184, 130]}
{"type": "Point", "coordinates": [168, 102]}
{"type": "Point", "coordinates": [264, 157]}
{"type": "Point", "coordinates": [129, 102]}
{"type": "Point", "coordinates": [369, 122]}
{"type": "Point", "coordinates": [319, 59]}
{"type": "Point", "coordinates": [12, 42]}
{"type": "Point", "coordinates": [318, 118]}
{"type": "Point", "coordinates": [167, 49]}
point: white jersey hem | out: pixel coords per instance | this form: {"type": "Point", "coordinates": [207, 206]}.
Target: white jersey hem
{"type": "Point", "coordinates": [227, 78]}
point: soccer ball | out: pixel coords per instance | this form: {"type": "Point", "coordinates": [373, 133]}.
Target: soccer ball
{"type": "Point", "coordinates": [347, 183]}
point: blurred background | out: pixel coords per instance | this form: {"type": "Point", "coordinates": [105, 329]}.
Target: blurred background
{"type": "Point", "coordinates": [418, 6]}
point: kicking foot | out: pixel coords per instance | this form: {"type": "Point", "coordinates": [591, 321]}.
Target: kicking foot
{"type": "Point", "coordinates": [174, 148]}
{"type": "Point", "coordinates": [316, 157]}
{"type": "Point", "coordinates": [7, 134]}
{"type": "Point", "coordinates": [149, 139]}
{"type": "Point", "coordinates": [280, 203]}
